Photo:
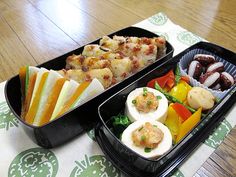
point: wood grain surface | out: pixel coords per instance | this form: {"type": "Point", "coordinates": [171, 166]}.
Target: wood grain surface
{"type": "Point", "coordinates": [35, 31]}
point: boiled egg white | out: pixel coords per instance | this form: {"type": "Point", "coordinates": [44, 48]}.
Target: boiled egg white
{"type": "Point", "coordinates": [159, 114]}
{"type": "Point", "coordinates": [162, 147]}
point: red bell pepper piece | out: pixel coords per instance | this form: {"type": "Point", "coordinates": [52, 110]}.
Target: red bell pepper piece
{"type": "Point", "coordinates": [167, 80]}
{"type": "Point", "coordinates": [170, 83]}
{"type": "Point", "coordinates": [182, 111]}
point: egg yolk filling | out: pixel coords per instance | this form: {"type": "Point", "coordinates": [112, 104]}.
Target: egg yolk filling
{"type": "Point", "coordinates": [146, 102]}
{"type": "Point", "coordinates": [147, 136]}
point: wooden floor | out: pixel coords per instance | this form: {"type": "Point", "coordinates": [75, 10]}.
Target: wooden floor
{"type": "Point", "coordinates": [35, 31]}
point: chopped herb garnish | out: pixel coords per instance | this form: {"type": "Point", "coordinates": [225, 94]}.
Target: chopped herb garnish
{"type": "Point", "coordinates": [134, 101]}
{"type": "Point", "coordinates": [146, 149]}
{"type": "Point", "coordinates": [159, 97]}
{"type": "Point", "coordinates": [143, 137]}
{"type": "Point", "coordinates": [144, 91]}
{"type": "Point", "coordinates": [149, 102]}
{"type": "Point", "coordinates": [140, 129]}
{"type": "Point", "coordinates": [154, 126]}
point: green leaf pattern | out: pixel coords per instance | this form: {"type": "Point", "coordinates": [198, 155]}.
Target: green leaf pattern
{"type": "Point", "coordinates": [215, 139]}
{"type": "Point", "coordinates": [35, 162]}
{"type": "Point", "coordinates": [158, 19]}
{"type": "Point", "coordinates": [91, 134]}
{"type": "Point", "coordinates": [188, 38]}
{"type": "Point", "coordinates": [96, 165]}
{"type": "Point", "coordinates": [7, 119]}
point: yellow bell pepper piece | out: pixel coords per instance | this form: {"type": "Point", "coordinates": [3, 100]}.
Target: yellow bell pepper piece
{"type": "Point", "coordinates": [172, 122]}
{"type": "Point", "coordinates": [180, 91]}
{"type": "Point", "coordinates": [188, 125]}
{"type": "Point", "coordinates": [186, 85]}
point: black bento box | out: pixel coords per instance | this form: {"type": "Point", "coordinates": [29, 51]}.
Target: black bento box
{"type": "Point", "coordinates": [76, 121]}
{"type": "Point", "coordinates": [131, 163]}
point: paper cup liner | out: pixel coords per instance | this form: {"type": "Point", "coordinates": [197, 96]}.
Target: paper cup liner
{"type": "Point", "coordinates": [188, 57]}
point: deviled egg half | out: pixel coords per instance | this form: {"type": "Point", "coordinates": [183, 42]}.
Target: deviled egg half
{"type": "Point", "coordinates": [150, 139]}
{"type": "Point", "coordinates": [147, 104]}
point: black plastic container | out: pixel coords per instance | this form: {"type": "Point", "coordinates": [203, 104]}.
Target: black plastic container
{"type": "Point", "coordinates": [133, 164]}
{"type": "Point", "coordinates": [83, 117]}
